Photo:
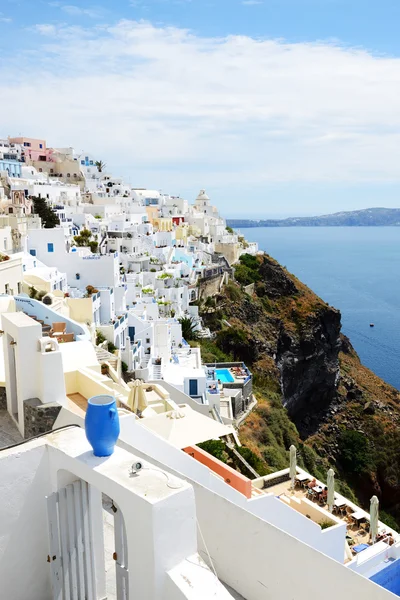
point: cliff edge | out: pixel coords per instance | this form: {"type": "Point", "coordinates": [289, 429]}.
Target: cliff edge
{"type": "Point", "coordinates": [311, 388]}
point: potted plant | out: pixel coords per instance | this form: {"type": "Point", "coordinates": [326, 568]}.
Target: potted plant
{"type": "Point", "coordinates": [104, 369]}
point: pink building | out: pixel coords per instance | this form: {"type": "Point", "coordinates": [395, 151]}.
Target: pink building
{"type": "Point", "coordinates": [35, 150]}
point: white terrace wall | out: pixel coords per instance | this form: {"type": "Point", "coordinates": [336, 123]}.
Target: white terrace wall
{"type": "Point", "coordinates": [24, 483]}
{"type": "Point", "coordinates": [138, 439]}
{"type": "Point", "coordinates": [263, 563]}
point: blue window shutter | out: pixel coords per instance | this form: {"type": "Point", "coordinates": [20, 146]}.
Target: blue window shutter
{"type": "Point", "coordinates": [32, 252]}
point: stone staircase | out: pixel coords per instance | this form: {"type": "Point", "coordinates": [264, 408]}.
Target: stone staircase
{"type": "Point", "coordinates": [145, 361]}
{"type": "Point", "coordinates": [242, 460]}
{"type": "Point", "coordinates": [45, 327]}
{"type": "Point", "coordinates": [156, 372]}
{"type": "Point", "coordinates": [104, 356]}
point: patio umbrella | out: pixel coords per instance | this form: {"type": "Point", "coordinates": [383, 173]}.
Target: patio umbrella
{"type": "Point", "coordinates": [373, 518]}
{"type": "Point", "coordinates": [137, 398]}
{"type": "Point", "coordinates": [292, 471]}
{"type": "Point", "coordinates": [331, 489]}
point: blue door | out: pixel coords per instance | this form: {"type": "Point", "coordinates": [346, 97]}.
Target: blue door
{"type": "Point", "coordinates": [131, 333]}
{"type": "Point", "coordinates": [192, 387]}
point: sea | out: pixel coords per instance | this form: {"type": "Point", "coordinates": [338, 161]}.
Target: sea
{"type": "Point", "coordinates": [355, 269]}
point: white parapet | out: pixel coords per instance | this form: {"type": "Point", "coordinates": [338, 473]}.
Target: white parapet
{"type": "Point", "coordinates": [157, 508]}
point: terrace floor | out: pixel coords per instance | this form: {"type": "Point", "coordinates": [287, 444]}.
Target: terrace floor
{"type": "Point", "coordinates": [77, 403]}
{"type": "Point", "coordinates": [354, 531]}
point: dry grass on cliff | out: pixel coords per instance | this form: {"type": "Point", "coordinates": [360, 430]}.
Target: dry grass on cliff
{"type": "Point", "coordinates": [370, 383]}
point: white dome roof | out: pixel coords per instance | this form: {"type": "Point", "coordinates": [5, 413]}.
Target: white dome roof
{"type": "Point", "coordinates": [202, 195]}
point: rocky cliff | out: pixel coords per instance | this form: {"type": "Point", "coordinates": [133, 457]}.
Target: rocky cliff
{"type": "Point", "coordinates": [312, 389]}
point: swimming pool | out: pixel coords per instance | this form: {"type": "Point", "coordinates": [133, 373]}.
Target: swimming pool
{"type": "Point", "coordinates": [224, 375]}
{"type": "Point", "coordinates": [389, 578]}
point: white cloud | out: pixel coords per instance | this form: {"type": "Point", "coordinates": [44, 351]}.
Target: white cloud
{"type": "Point", "coordinates": [252, 2]}
{"type": "Point", "coordinates": [4, 19]}
{"type": "Point", "coordinates": [78, 11]}
{"type": "Point", "coordinates": [171, 107]}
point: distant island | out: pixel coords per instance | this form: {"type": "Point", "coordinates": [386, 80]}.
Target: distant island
{"type": "Point", "coordinates": [368, 217]}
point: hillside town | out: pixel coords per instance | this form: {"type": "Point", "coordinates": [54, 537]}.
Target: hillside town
{"type": "Point", "coordinates": [101, 286]}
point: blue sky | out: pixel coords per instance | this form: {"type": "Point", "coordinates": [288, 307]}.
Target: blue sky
{"type": "Point", "coordinates": [276, 107]}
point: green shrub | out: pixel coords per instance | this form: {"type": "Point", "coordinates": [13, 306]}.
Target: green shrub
{"type": "Point", "coordinates": [273, 458]}
{"type": "Point", "coordinates": [32, 292]}
{"type": "Point", "coordinates": [326, 524]}
{"type": "Point", "coordinates": [388, 520]}
{"type": "Point", "coordinates": [111, 348]}
{"type": "Point", "coordinates": [233, 292]}
{"type": "Point", "coordinates": [100, 338]}
{"type": "Point", "coordinates": [355, 452]}
{"type": "Point", "coordinates": [236, 342]}
{"type": "Point", "coordinates": [124, 366]}
{"type": "Point", "coordinates": [188, 328]}
{"type": "Point", "coordinates": [253, 460]}
{"type": "Point", "coordinates": [216, 448]}
{"type": "Point", "coordinates": [244, 275]}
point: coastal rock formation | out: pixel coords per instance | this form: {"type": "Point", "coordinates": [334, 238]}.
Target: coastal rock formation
{"type": "Point", "coordinates": [311, 387]}
{"type": "Point", "coordinates": [308, 363]}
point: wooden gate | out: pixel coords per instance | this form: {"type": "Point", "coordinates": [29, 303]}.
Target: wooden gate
{"type": "Point", "coordinates": [71, 543]}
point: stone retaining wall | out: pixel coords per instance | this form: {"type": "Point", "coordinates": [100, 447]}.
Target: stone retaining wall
{"type": "Point", "coordinates": [3, 398]}
{"type": "Point", "coordinates": [39, 418]}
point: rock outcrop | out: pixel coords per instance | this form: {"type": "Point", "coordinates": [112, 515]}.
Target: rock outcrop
{"type": "Point", "coordinates": [305, 369]}
{"type": "Point", "coordinates": [308, 363]}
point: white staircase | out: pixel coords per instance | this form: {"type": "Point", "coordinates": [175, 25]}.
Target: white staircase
{"type": "Point", "coordinates": [156, 372]}
{"type": "Point", "coordinates": [104, 356]}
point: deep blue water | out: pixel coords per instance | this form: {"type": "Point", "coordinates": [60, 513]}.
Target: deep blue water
{"type": "Point", "coordinates": [355, 269]}
{"type": "Point", "coordinates": [389, 577]}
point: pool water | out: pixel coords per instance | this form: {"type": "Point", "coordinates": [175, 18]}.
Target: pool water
{"type": "Point", "coordinates": [389, 578]}
{"type": "Point", "coordinates": [224, 375]}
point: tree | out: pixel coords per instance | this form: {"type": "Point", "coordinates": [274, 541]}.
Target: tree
{"type": "Point", "coordinates": [45, 212]}
{"type": "Point", "coordinates": [100, 165]}
{"type": "Point", "coordinates": [188, 328]}
{"type": "Point", "coordinates": [83, 239]}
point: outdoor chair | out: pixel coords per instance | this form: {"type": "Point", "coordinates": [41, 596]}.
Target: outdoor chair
{"type": "Point", "coordinates": [66, 337]}
{"type": "Point", "coordinates": [58, 328]}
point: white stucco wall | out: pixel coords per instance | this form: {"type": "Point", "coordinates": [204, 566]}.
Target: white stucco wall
{"type": "Point", "coordinates": [24, 483]}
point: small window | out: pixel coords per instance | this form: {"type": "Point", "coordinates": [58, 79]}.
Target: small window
{"type": "Point", "coordinates": [51, 170]}
{"type": "Point", "coordinates": [19, 287]}
{"type": "Point", "coordinates": [34, 263]}
{"type": "Point", "coordinates": [82, 162]}
{"type": "Point", "coordinates": [50, 247]}
{"type": "Point", "coordinates": [91, 162]}
{"type": "Point", "coordinates": [68, 174]}
{"type": "Point", "coordinates": [32, 252]}
{"type": "Point", "coordinates": [7, 288]}
{"type": "Point", "coordinates": [40, 145]}
{"type": "Point", "coordinates": [40, 170]}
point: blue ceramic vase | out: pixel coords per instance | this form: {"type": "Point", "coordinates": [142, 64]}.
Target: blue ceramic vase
{"type": "Point", "coordinates": [102, 424]}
